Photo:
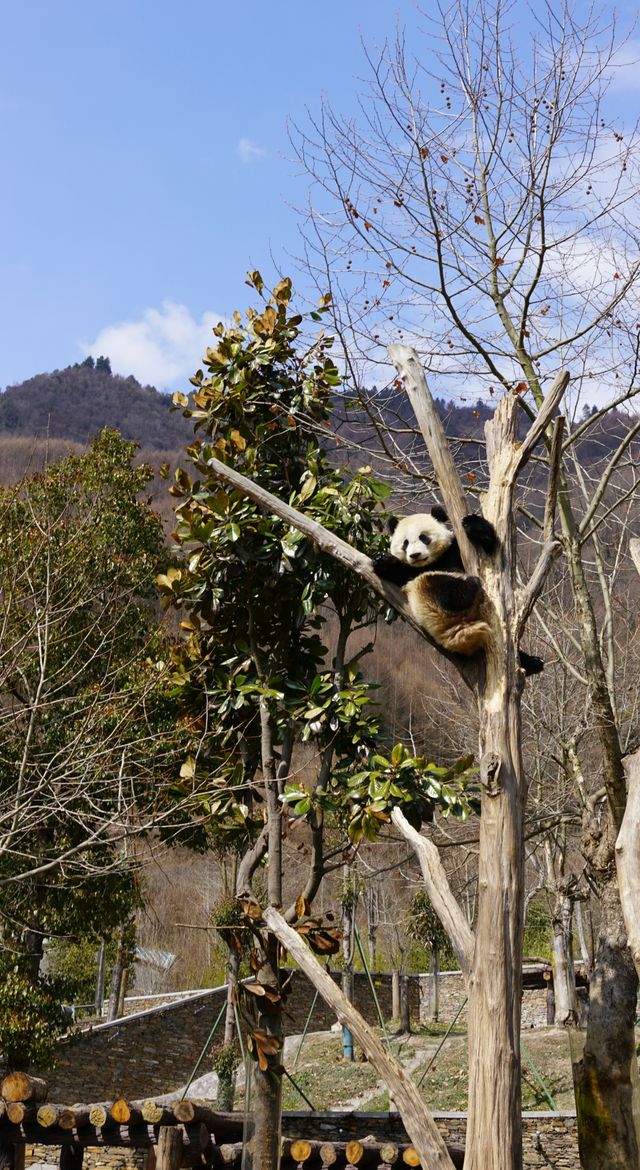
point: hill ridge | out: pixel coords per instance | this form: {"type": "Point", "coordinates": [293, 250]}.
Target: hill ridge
{"type": "Point", "coordinates": [78, 401]}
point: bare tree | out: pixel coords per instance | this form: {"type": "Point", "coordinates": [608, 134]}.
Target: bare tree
{"type": "Point", "coordinates": [486, 205]}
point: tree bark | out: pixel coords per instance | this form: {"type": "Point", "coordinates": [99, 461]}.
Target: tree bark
{"type": "Point", "coordinates": [405, 1012]}
{"type": "Point", "coordinates": [603, 1075]}
{"type": "Point", "coordinates": [266, 1085]}
{"type": "Point", "coordinates": [227, 1082]}
{"type": "Point", "coordinates": [395, 995]}
{"type": "Point", "coordinates": [348, 912]}
{"type": "Point", "coordinates": [628, 857]}
{"type": "Point", "coordinates": [116, 975]}
{"type": "Point", "coordinates": [564, 974]}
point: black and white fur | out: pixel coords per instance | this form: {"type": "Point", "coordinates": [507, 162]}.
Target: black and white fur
{"type": "Point", "coordinates": [425, 561]}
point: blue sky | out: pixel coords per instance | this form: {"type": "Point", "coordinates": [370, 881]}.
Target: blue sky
{"type": "Point", "coordinates": [147, 166]}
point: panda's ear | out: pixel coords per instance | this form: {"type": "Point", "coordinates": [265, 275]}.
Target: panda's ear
{"type": "Point", "coordinates": [439, 513]}
{"type": "Point", "coordinates": [392, 524]}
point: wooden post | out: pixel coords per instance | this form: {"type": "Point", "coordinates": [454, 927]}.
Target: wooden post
{"type": "Point", "coordinates": [395, 995]}
{"type": "Point", "coordinates": [169, 1148]}
{"type": "Point", "coordinates": [11, 1154]}
{"type": "Point", "coordinates": [71, 1157]}
{"type": "Point", "coordinates": [99, 996]}
{"type": "Point", "coordinates": [551, 1000]}
{"type": "Point", "coordinates": [435, 983]}
{"type": "Point", "coordinates": [405, 1010]}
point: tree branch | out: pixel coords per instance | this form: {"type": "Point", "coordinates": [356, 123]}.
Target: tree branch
{"type": "Point", "coordinates": [544, 416]}
{"type": "Point", "coordinates": [551, 547]}
{"type": "Point", "coordinates": [439, 891]}
{"type": "Point", "coordinates": [419, 1124]}
{"type": "Point", "coordinates": [409, 368]}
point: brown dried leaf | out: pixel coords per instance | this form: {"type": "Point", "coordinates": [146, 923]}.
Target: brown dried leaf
{"type": "Point", "coordinates": [303, 906]}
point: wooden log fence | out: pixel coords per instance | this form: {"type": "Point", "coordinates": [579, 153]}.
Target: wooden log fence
{"type": "Point", "coordinates": [187, 1134]}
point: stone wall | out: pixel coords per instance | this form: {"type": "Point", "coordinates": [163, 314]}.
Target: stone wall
{"type": "Point", "coordinates": [154, 1051]}
{"type": "Point", "coordinates": [452, 995]}
{"type": "Point", "coordinates": [550, 1142]}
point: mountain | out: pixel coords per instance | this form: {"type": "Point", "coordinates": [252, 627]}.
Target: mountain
{"type": "Point", "coordinates": [75, 403]}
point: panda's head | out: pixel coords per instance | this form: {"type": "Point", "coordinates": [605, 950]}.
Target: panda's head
{"type": "Point", "coordinates": [420, 539]}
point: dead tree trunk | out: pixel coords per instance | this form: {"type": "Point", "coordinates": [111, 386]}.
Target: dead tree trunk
{"type": "Point", "coordinates": [494, 1135]}
{"type": "Point", "coordinates": [492, 959]}
{"type": "Point", "coordinates": [628, 857]}
{"type": "Point", "coordinates": [564, 973]}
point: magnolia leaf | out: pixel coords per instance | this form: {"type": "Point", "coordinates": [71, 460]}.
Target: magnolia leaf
{"type": "Point", "coordinates": [308, 488]}
{"type": "Point", "coordinates": [282, 291]}
{"type": "Point", "coordinates": [325, 942]}
{"type": "Point", "coordinates": [251, 908]}
{"type": "Point", "coordinates": [303, 906]}
{"type": "Point", "coordinates": [256, 280]}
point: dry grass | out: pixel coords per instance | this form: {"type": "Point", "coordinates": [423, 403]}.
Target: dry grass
{"type": "Point", "coordinates": [330, 1083]}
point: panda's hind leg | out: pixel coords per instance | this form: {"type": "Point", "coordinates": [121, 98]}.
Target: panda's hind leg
{"type": "Point", "coordinates": [530, 663]}
{"type": "Point", "coordinates": [467, 638]}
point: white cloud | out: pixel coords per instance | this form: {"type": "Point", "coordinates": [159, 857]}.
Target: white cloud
{"type": "Point", "coordinates": [163, 348]}
{"type": "Point", "coordinates": [248, 150]}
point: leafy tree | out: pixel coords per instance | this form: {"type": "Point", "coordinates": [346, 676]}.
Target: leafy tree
{"type": "Point", "coordinates": [253, 673]}
{"type": "Point", "coordinates": [31, 1016]}
{"type": "Point", "coordinates": [424, 926]}
{"type": "Point", "coordinates": [86, 727]}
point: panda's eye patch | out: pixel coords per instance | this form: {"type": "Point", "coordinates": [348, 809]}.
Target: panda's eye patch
{"type": "Point", "coordinates": [405, 545]}
{"type": "Point", "coordinates": [425, 539]}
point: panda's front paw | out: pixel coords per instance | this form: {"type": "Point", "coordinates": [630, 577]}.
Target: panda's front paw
{"type": "Point", "coordinates": [389, 568]}
{"type": "Point", "coordinates": [481, 533]}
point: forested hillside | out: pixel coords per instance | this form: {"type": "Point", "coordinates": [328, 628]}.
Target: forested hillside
{"type": "Point", "coordinates": [75, 403]}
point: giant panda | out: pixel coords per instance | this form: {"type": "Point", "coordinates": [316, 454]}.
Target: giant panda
{"type": "Point", "coordinates": [424, 560]}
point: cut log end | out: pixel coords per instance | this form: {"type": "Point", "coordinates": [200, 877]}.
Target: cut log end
{"type": "Point", "coordinates": [19, 1086]}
